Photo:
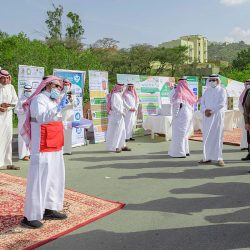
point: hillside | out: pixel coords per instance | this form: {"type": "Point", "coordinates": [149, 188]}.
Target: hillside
{"type": "Point", "coordinates": [225, 51]}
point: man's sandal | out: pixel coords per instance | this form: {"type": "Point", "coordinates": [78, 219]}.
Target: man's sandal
{"type": "Point", "coordinates": [13, 167]}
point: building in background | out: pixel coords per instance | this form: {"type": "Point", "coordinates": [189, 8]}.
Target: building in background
{"type": "Point", "coordinates": [196, 44]}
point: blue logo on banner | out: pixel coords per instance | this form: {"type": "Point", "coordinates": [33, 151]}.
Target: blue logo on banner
{"type": "Point", "coordinates": [78, 131]}
{"type": "Point", "coordinates": [77, 101]}
{"type": "Point", "coordinates": [77, 116]}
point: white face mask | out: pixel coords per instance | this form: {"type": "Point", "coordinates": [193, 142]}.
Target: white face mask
{"type": "Point", "coordinates": [66, 89]}
{"type": "Point", "coordinates": [27, 94]}
{"type": "Point", "coordinates": [213, 84]}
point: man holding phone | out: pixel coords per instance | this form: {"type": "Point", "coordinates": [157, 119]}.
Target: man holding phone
{"type": "Point", "coordinates": [8, 100]}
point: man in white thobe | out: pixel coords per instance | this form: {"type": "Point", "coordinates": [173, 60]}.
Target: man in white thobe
{"type": "Point", "coordinates": [68, 115]}
{"type": "Point", "coordinates": [8, 100]}
{"type": "Point", "coordinates": [246, 106]}
{"type": "Point", "coordinates": [213, 104]}
{"type": "Point", "coordinates": [23, 150]}
{"type": "Point", "coordinates": [131, 102]}
{"type": "Point", "coordinates": [116, 133]}
{"type": "Point", "coordinates": [46, 177]}
{"type": "Point", "coordinates": [243, 141]}
{"type": "Point", "coordinates": [43, 129]}
{"type": "Point", "coordinates": [183, 105]}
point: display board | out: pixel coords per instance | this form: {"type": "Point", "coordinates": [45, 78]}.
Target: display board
{"type": "Point", "coordinates": [30, 75]}
{"type": "Point", "coordinates": [77, 78]}
{"type": "Point", "coordinates": [98, 90]}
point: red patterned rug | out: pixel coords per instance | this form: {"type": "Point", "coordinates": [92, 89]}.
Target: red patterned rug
{"type": "Point", "coordinates": [230, 137]}
{"type": "Point", "coordinates": [80, 208]}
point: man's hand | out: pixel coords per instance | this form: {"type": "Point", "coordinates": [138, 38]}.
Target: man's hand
{"type": "Point", "coordinates": [3, 109]}
{"type": "Point", "coordinates": [208, 112]}
{"type": "Point", "coordinates": [5, 105]}
{"type": "Point", "coordinates": [247, 127]}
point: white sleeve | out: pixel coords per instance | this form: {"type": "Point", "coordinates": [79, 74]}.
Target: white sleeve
{"type": "Point", "coordinates": [115, 104]}
{"type": "Point", "coordinates": [14, 98]}
{"type": "Point", "coordinates": [39, 110]}
{"type": "Point", "coordinates": [19, 108]}
{"type": "Point", "coordinates": [176, 108]}
{"type": "Point", "coordinates": [221, 102]}
{"type": "Point", "coordinates": [126, 104]}
{"type": "Point", "coordinates": [202, 104]}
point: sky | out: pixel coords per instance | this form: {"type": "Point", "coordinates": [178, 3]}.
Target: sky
{"type": "Point", "coordinates": [135, 21]}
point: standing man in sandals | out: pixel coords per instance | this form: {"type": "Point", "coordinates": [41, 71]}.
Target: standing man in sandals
{"type": "Point", "coordinates": [131, 101]}
{"type": "Point", "coordinates": [213, 104]}
{"type": "Point", "coordinates": [43, 131]}
{"type": "Point", "coordinates": [23, 150]}
{"type": "Point", "coordinates": [116, 133]}
{"type": "Point", "coordinates": [8, 100]}
{"type": "Point", "coordinates": [246, 107]}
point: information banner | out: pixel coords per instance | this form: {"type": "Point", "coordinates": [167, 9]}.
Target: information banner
{"type": "Point", "coordinates": [98, 90]}
{"type": "Point", "coordinates": [165, 85]}
{"type": "Point", "coordinates": [31, 75]}
{"type": "Point", "coordinates": [193, 84]}
{"type": "Point", "coordinates": [234, 88]}
{"type": "Point", "coordinates": [77, 78]}
{"type": "Point", "coordinates": [150, 95]}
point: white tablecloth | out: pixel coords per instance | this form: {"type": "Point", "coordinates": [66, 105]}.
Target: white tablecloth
{"type": "Point", "coordinates": [159, 124]}
{"type": "Point", "coordinates": [232, 120]}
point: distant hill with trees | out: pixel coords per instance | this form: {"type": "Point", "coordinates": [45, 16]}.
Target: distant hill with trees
{"type": "Point", "coordinates": [225, 51]}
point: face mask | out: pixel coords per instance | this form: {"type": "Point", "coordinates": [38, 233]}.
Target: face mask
{"type": "Point", "coordinates": [248, 86]}
{"type": "Point", "coordinates": [213, 84]}
{"type": "Point", "coordinates": [55, 93]}
{"type": "Point", "coordinates": [66, 89]}
{"type": "Point", "coordinates": [27, 94]}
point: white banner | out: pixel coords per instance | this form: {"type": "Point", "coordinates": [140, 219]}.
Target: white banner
{"type": "Point", "coordinates": [77, 78]}
{"type": "Point", "coordinates": [31, 75]}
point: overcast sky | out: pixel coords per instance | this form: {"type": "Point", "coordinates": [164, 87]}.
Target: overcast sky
{"type": "Point", "coordinates": [135, 21]}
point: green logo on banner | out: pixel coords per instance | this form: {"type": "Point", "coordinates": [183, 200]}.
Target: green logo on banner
{"type": "Point", "coordinates": [165, 91]}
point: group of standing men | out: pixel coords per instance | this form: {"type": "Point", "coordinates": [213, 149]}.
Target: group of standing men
{"type": "Point", "coordinates": [213, 104]}
{"type": "Point", "coordinates": [121, 108]}
{"type": "Point", "coordinates": [42, 126]}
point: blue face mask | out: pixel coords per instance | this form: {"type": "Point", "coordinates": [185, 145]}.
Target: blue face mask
{"type": "Point", "coordinates": [27, 94]}
{"type": "Point", "coordinates": [55, 93]}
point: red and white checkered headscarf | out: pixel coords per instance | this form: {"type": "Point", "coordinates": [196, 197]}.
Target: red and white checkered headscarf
{"type": "Point", "coordinates": [184, 94]}
{"type": "Point", "coordinates": [134, 93]}
{"type": "Point", "coordinates": [247, 82]}
{"type": "Point", "coordinates": [26, 129]}
{"type": "Point", "coordinates": [116, 89]}
{"type": "Point", "coordinates": [6, 74]}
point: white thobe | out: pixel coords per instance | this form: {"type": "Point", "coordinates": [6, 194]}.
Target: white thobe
{"type": "Point", "coordinates": [213, 126]}
{"type": "Point", "coordinates": [46, 176]}
{"type": "Point", "coordinates": [130, 116]}
{"type": "Point", "coordinates": [7, 95]}
{"type": "Point", "coordinates": [68, 115]}
{"type": "Point", "coordinates": [243, 141]}
{"type": "Point", "coordinates": [181, 124]}
{"type": "Point", "coordinates": [116, 133]}
{"type": "Point", "coordinates": [23, 150]}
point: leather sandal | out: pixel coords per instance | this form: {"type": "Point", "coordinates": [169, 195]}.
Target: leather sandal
{"type": "Point", "coordinates": [13, 167]}
{"type": "Point", "coordinates": [126, 149]}
{"type": "Point", "coordinates": [204, 162]}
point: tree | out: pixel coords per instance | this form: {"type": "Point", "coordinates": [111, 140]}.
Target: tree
{"type": "Point", "coordinates": [54, 23]}
{"type": "Point", "coordinates": [172, 58]}
{"type": "Point", "coordinates": [74, 31]}
{"type": "Point", "coordinates": [106, 43]}
{"type": "Point", "coordinates": [242, 62]}
{"type": "Point", "coordinates": [140, 57]}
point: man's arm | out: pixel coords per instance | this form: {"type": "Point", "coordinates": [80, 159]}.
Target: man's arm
{"type": "Point", "coordinates": [247, 109]}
